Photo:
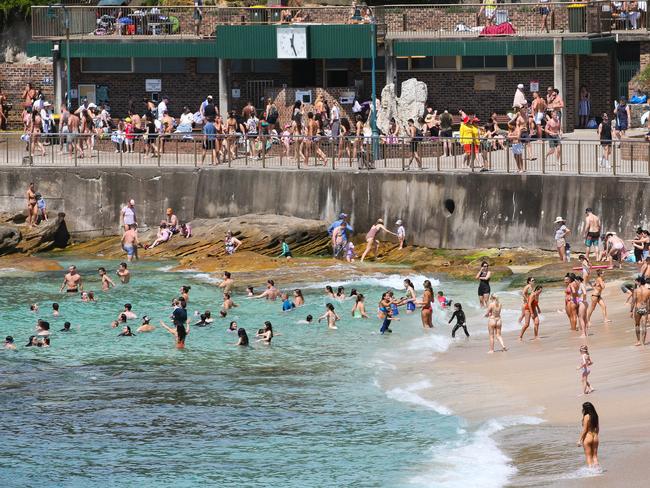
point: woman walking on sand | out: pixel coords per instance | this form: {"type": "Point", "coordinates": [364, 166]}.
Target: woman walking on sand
{"type": "Point", "coordinates": [581, 303]}
{"type": "Point", "coordinates": [371, 238]}
{"type": "Point", "coordinates": [589, 435]}
{"type": "Point", "coordinates": [532, 312]}
{"type": "Point", "coordinates": [570, 306]}
{"type": "Point", "coordinates": [585, 363]}
{"type": "Point", "coordinates": [427, 298]}
{"type": "Point", "coordinates": [483, 277]}
{"type": "Point", "coordinates": [495, 323]}
{"type": "Point", "coordinates": [597, 297]}
{"type": "Point", "coordinates": [525, 293]}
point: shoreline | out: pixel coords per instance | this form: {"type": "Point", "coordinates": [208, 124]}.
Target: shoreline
{"type": "Point", "coordinates": [538, 379]}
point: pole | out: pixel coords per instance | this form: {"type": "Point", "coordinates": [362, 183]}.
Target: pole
{"type": "Point", "coordinates": [66, 23]}
{"type": "Point", "coordinates": [373, 110]}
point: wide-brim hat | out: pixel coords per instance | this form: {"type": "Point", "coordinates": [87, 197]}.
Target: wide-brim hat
{"type": "Point", "coordinates": [559, 219]}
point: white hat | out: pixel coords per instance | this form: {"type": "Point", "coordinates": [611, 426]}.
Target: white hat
{"type": "Point", "coordinates": [399, 222]}
{"type": "Point", "coordinates": [132, 202]}
{"type": "Point", "coordinates": [520, 86]}
{"type": "Point", "coordinates": [92, 105]}
{"type": "Point", "coordinates": [559, 219]}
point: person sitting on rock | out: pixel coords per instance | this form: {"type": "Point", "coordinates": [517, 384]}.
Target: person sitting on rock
{"type": "Point", "coordinates": [172, 221]}
{"type": "Point", "coordinates": [163, 235]}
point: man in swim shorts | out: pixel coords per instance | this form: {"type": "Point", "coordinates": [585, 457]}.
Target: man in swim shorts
{"type": "Point", "coordinates": [130, 243]}
{"type": "Point", "coordinates": [72, 281]}
{"type": "Point", "coordinates": [592, 231]}
{"type": "Point", "coordinates": [639, 309]}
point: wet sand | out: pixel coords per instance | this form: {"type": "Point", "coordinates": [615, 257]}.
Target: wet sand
{"type": "Point", "coordinates": [540, 379]}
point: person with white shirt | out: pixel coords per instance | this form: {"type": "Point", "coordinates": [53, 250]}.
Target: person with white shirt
{"type": "Point", "coordinates": [162, 107]}
{"type": "Point", "coordinates": [335, 116]}
{"type": "Point", "coordinates": [520, 99]}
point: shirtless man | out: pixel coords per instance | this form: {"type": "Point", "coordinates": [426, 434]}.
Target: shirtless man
{"type": "Point", "coordinates": [592, 231]}
{"type": "Point", "coordinates": [339, 238]}
{"type": "Point", "coordinates": [29, 94]}
{"type": "Point", "coordinates": [227, 282]}
{"type": "Point", "coordinates": [130, 243]}
{"type": "Point", "coordinates": [32, 208]}
{"type": "Point", "coordinates": [308, 141]}
{"type": "Point", "coordinates": [128, 312]}
{"type": "Point", "coordinates": [640, 305]}
{"type": "Point", "coordinates": [539, 110]}
{"type": "Point", "coordinates": [106, 281]}
{"type": "Point", "coordinates": [72, 281]}
{"type": "Point", "coordinates": [74, 122]}
{"type": "Point", "coordinates": [124, 273]}
{"type": "Point", "coordinates": [271, 292]}
{"type": "Point", "coordinates": [146, 325]}
{"type": "Point", "coordinates": [495, 323]}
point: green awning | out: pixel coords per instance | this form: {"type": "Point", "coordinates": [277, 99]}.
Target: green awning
{"type": "Point", "coordinates": [128, 49]}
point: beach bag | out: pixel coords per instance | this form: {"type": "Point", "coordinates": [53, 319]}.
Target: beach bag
{"type": "Point", "coordinates": [592, 124]}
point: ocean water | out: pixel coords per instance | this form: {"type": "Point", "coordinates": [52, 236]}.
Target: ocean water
{"type": "Point", "coordinates": [96, 409]}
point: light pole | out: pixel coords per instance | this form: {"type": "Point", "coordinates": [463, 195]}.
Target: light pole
{"type": "Point", "coordinates": [66, 26]}
{"type": "Point", "coordinates": [373, 104]}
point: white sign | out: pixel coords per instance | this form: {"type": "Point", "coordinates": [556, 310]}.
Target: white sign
{"type": "Point", "coordinates": [534, 86]}
{"type": "Point", "coordinates": [236, 93]}
{"type": "Point", "coordinates": [291, 42]}
{"type": "Point", "coordinates": [303, 95]}
{"type": "Point", "coordinates": [153, 85]}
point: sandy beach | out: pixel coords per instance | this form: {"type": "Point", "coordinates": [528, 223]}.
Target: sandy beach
{"type": "Point", "coordinates": [537, 381]}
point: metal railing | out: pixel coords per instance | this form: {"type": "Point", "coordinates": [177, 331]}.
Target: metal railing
{"type": "Point", "coordinates": [400, 20]}
{"type": "Point", "coordinates": [626, 157]}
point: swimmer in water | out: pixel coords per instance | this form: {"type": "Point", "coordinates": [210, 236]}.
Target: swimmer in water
{"type": "Point", "coordinates": [124, 273]}
{"type": "Point", "coordinates": [227, 302]}
{"type": "Point", "coordinates": [494, 322]}
{"type": "Point", "coordinates": [91, 296]}
{"type": "Point", "coordinates": [330, 292]}
{"type": "Point", "coordinates": [120, 320]}
{"type": "Point", "coordinates": [287, 305]}
{"type": "Point", "coordinates": [232, 327]}
{"type": "Point", "coordinates": [298, 299]}
{"type": "Point", "coordinates": [243, 338]}
{"type": "Point", "coordinates": [411, 297]}
{"type": "Point", "coordinates": [33, 307]}
{"type": "Point", "coordinates": [584, 368]}
{"type": "Point", "coordinates": [359, 307]}
{"type": "Point", "coordinates": [459, 315]}
{"type": "Point", "coordinates": [208, 317]}
{"type": "Point", "coordinates": [84, 296]}
{"type": "Point", "coordinates": [128, 312]}
{"type": "Point", "coordinates": [146, 325]}
{"type": "Point", "coordinates": [185, 293]}
{"type": "Point", "coordinates": [227, 283]}
{"type": "Point", "coordinates": [72, 281]}
{"type": "Point", "coordinates": [180, 332]}
{"type": "Point", "coordinates": [66, 327]}
{"type": "Point", "coordinates": [55, 309]}
{"type": "Point", "coordinates": [250, 292]}
{"type": "Point", "coordinates": [126, 332]}
{"type": "Point", "coordinates": [201, 322]}
{"type": "Point", "coordinates": [266, 334]}
{"type": "Point", "coordinates": [271, 292]}
{"type": "Point", "coordinates": [9, 343]}
{"type": "Point", "coordinates": [331, 316]}
{"type": "Point", "coordinates": [223, 314]}
{"type": "Point", "coordinates": [308, 320]}
{"type": "Point", "coordinates": [589, 435]}
{"type": "Point", "coordinates": [340, 293]}
{"type": "Point", "coordinates": [387, 313]}
{"type": "Point", "coordinates": [107, 283]}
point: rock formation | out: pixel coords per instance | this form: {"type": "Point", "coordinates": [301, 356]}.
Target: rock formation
{"type": "Point", "coordinates": [410, 105]}
{"type": "Point", "coordinates": [17, 238]}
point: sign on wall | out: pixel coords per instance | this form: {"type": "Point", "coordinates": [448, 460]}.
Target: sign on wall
{"type": "Point", "coordinates": [303, 95]}
{"type": "Point", "coordinates": [534, 86]}
{"type": "Point", "coordinates": [153, 85]}
{"type": "Point", "coordinates": [236, 92]}
{"type": "Point", "coordinates": [485, 82]}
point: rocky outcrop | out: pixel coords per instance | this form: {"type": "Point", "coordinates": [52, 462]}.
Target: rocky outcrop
{"type": "Point", "coordinates": [410, 105]}
{"type": "Point", "coordinates": [10, 236]}
{"type": "Point", "coordinates": [15, 237]}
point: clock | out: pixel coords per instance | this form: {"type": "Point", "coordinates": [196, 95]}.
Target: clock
{"type": "Point", "coordinates": [291, 42]}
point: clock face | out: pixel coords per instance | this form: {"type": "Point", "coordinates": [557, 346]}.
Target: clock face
{"type": "Point", "coordinates": [292, 42]}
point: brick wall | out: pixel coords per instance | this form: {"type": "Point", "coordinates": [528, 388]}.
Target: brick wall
{"type": "Point", "coordinates": [596, 74]}
{"type": "Point", "coordinates": [14, 77]}
{"type": "Point", "coordinates": [285, 98]}
{"type": "Point", "coordinates": [644, 57]}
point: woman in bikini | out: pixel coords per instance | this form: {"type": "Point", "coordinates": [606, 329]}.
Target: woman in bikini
{"type": "Point", "coordinates": [597, 297]}
{"type": "Point", "coordinates": [532, 312]}
{"type": "Point", "coordinates": [359, 307]}
{"type": "Point", "coordinates": [585, 363]}
{"type": "Point", "coordinates": [586, 267]}
{"type": "Point", "coordinates": [231, 139]}
{"type": "Point", "coordinates": [589, 435]}
{"type": "Point", "coordinates": [266, 334]}
{"type": "Point", "coordinates": [580, 299]}
{"type": "Point", "coordinates": [525, 293]}
{"type": "Point", "coordinates": [427, 298]}
{"type": "Point", "coordinates": [570, 306]}
{"type": "Point", "coordinates": [344, 140]}
{"type": "Point", "coordinates": [495, 323]}
{"type": "Point", "coordinates": [220, 145]}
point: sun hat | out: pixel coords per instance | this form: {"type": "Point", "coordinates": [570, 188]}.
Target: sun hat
{"type": "Point", "coordinates": [399, 222]}
{"type": "Point", "coordinates": [520, 86]}
{"type": "Point", "coordinates": [559, 219]}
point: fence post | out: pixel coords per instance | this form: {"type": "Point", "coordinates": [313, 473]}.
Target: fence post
{"type": "Point", "coordinates": [403, 154]}
{"type": "Point", "coordinates": [196, 157]}
{"type": "Point", "coordinates": [299, 142]}
{"type": "Point", "coordinates": [7, 151]}
{"type": "Point", "coordinates": [579, 158]}
{"type": "Point", "coordinates": [263, 153]}
{"type": "Point", "coordinates": [334, 151]}
{"type": "Point", "coordinates": [613, 158]}
{"type": "Point", "coordinates": [75, 151]}
{"type": "Point", "coordinates": [631, 158]}
{"type": "Point", "coordinates": [543, 157]}
{"type": "Point", "coordinates": [438, 155]}
{"type": "Point", "coordinates": [596, 157]}
{"type": "Point", "coordinates": [648, 144]}
{"type": "Point", "coordinates": [176, 140]}
{"type": "Point", "coordinates": [245, 149]}
{"type": "Point", "coordinates": [121, 162]}
{"type": "Point", "coordinates": [507, 159]}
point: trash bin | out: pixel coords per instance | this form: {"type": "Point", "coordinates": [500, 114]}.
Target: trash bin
{"type": "Point", "coordinates": [577, 17]}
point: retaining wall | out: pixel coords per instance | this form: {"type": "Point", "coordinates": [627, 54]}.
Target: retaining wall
{"type": "Point", "coordinates": [439, 210]}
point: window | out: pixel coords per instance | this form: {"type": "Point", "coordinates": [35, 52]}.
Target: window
{"type": "Point", "coordinates": [422, 63]}
{"type": "Point", "coordinates": [266, 66]}
{"type": "Point", "coordinates": [337, 64]}
{"type": "Point", "coordinates": [207, 65]}
{"type": "Point", "coordinates": [240, 66]}
{"type": "Point", "coordinates": [106, 65]}
{"type": "Point", "coordinates": [485, 62]}
{"type": "Point", "coordinates": [533, 61]}
{"type": "Point", "coordinates": [444, 62]}
{"type": "Point", "coordinates": [402, 64]}
{"type": "Point", "coordinates": [159, 65]}
{"type": "Point", "coordinates": [337, 78]}
{"type": "Point", "coordinates": [380, 64]}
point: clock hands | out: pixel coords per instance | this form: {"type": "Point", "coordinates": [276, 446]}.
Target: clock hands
{"type": "Point", "coordinates": [292, 46]}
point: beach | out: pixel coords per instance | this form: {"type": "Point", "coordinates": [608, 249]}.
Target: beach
{"type": "Point", "coordinates": [528, 399]}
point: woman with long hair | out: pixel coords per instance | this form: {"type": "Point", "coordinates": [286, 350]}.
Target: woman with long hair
{"type": "Point", "coordinates": [495, 322]}
{"type": "Point", "coordinates": [581, 302]}
{"type": "Point", "coordinates": [425, 303]}
{"type": "Point", "coordinates": [570, 306]}
{"type": "Point", "coordinates": [243, 338]}
{"type": "Point", "coordinates": [411, 297]}
{"type": "Point", "coordinates": [589, 435]}
{"type": "Point", "coordinates": [179, 331]}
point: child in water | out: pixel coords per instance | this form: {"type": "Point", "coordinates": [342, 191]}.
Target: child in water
{"type": "Point", "coordinates": [442, 300]}
{"type": "Point", "coordinates": [585, 362]}
{"type": "Point", "coordinates": [459, 315]}
{"type": "Point", "coordinates": [330, 315]}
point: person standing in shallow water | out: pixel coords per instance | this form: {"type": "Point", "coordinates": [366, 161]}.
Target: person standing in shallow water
{"type": "Point", "coordinates": [483, 277]}
{"type": "Point", "coordinates": [371, 238]}
{"type": "Point", "coordinates": [589, 435]}
{"type": "Point", "coordinates": [427, 298]}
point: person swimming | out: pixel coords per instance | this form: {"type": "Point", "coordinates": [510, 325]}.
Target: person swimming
{"type": "Point", "coordinates": [55, 309]}
{"type": "Point", "coordinates": [66, 327]}
{"type": "Point", "coordinates": [443, 301]}
{"type": "Point", "coordinates": [287, 305]}
{"type": "Point", "coordinates": [266, 334]}
{"type": "Point", "coordinates": [243, 338]}
{"type": "Point", "coordinates": [330, 315]}
{"type": "Point", "coordinates": [146, 325]}
{"type": "Point", "coordinates": [126, 332]}
{"type": "Point", "coordinates": [232, 327]}
{"type": "Point", "coordinates": [411, 297]}
{"type": "Point", "coordinates": [359, 308]}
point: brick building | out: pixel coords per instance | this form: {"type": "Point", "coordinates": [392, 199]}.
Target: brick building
{"type": "Point", "coordinates": [244, 54]}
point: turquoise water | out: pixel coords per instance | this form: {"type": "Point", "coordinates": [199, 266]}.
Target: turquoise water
{"type": "Point", "coordinates": [95, 409]}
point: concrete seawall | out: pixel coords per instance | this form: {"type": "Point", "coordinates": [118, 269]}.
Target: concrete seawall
{"type": "Point", "coordinates": [439, 210]}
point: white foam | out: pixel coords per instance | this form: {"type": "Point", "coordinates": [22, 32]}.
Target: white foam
{"type": "Point", "coordinates": [208, 278]}
{"type": "Point", "coordinates": [394, 281]}
{"type": "Point", "coordinates": [476, 461]}
{"type": "Point", "coordinates": [430, 343]}
{"type": "Point", "coordinates": [409, 394]}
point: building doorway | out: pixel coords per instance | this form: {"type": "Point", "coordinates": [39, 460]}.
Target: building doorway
{"type": "Point", "coordinates": [303, 73]}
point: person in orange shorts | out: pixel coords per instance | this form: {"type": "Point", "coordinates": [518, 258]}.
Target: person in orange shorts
{"type": "Point", "coordinates": [469, 137]}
